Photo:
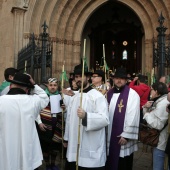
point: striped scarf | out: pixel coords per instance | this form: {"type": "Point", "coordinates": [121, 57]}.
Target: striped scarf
{"type": "Point", "coordinates": [54, 129]}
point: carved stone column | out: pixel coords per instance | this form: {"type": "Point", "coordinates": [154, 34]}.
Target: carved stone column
{"type": "Point", "coordinates": [26, 3]}
{"type": "Point", "coordinates": [18, 30]}
{"type": "Point", "coordinates": [148, 55]}
{"type": "Point", "coordinates": [21, 3]}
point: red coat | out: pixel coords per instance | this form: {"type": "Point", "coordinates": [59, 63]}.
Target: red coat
{"type": "Point", "coordinates": [143, 91]}
{"type": "Point", "coordinates": [168, 86]}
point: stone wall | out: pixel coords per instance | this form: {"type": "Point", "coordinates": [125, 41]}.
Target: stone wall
{"type": "Point", "coordinates": [66, 20]}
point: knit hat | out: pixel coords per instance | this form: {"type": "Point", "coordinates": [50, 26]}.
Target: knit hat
{"type": "Point", "coordinates": [52, 80]}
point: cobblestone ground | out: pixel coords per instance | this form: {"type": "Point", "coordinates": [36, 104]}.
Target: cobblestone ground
{"type": "Point", "coordinates": [142, 159]}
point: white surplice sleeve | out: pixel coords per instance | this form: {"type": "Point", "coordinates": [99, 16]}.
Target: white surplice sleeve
{"type": "Point", "coordinates": [67, 121]}
{"type": "Point", "coordinates": [99, 118]}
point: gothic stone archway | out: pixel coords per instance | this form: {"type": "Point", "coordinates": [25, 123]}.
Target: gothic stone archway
{"type": "Point", "coordinates": [66, 20]}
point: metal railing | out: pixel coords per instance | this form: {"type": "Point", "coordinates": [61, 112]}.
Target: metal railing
{"type": "Point", "coordinates": [36, 57]}
{"type": "Point", "coordinates": [161, 50]}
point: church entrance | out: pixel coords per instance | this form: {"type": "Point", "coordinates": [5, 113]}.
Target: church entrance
{"type": "Point", "coordinates": [120, 30]}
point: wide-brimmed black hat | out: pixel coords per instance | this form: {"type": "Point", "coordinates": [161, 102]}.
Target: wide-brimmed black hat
{"type": "Point", "coordinates": [78, 70]}
{"type": "Point", "coordinates": [71, 74]}
{"type": "Point", "coordinates": [99, 73]}
{"type": "Point", "coordinates": [22, 79]}
{"type": "Point", "coordinates": [120, 73]}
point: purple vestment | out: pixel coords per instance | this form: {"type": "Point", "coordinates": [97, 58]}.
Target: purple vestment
{"type": "Point", "coordinates": [117, 127]}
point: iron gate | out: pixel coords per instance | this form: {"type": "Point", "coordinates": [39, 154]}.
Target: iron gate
{"type": "Point", "coordinates": [36, 57]}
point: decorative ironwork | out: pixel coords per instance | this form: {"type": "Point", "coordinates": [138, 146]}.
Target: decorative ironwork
{"type": "Point", "coordinates": [167, 52]}
{"type": "Point", "coordinates": [161, 49]}
{"type": "Point", "coordinates": [38, 54]}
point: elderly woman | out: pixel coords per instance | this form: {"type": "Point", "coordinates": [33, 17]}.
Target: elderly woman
{"type": "Point", "coordinates": [156, 117]}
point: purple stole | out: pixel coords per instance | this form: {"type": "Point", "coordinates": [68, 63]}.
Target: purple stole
{"type": "Point", "coordinates": [117, 127]}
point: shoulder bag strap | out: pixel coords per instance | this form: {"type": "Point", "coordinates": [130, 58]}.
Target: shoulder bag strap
{"type": "Point", "coordinates": [164, 126]}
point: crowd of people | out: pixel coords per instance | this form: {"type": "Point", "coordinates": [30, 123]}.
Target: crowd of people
{"type": "Point", "coordinates": [101, 120]}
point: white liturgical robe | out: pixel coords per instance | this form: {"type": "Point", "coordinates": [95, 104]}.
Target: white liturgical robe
{"type": "Point", "coordinates": [19, 143]}
{"type": "Point", "coordinates": [131, 122]}
{"type": "Point", "coordinates": [92, 151]}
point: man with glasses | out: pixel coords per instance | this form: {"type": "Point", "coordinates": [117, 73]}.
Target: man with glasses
{"type": "Point", "coordinates": [98, 81]}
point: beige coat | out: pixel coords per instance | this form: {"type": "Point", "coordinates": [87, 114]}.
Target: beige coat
{"type": "Point", "coordinates": [157, 118]}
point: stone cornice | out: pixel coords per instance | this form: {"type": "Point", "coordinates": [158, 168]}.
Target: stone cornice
{"type": "Point", "coordinates": [56, 40]}
{"type": "Point", "coordinates": [65, 41]}
{"type": "Point", "coordinates": [148, 41]}
{"type": "Point", "coordinates": [18, 9]}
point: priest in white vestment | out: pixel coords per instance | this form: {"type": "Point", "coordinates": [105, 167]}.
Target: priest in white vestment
{"type": "Point", "coordinates": [124, 114]}
{"type": "Point", "coordinates": [94, 115]}
{"type": "Point", "coordinates": [20, 147]}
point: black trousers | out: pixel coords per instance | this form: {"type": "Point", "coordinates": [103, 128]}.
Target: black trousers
{"type": "Point", "coordinates": [126, 163]}
{"type": "Point", "coordinates": [141, 116]}
{"type": "Point", "coordinates": [72, 166]}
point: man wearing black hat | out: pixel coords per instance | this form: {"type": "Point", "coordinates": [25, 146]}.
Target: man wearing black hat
{"type": "Point", "coordinates": [97, 81]}
{"type": "Point", "coordinates": [20, 146]}
{"type": "Point", "coordinates": [94, 116]}
{"type": "Point", "coordinates": [124, 112]}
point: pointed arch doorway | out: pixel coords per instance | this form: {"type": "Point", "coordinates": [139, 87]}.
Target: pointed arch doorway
{"type": "Point", "coordinates": [120, 29]}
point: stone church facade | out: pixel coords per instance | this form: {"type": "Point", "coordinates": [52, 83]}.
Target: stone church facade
{"type": "Point", "coordinates": [66, 20]}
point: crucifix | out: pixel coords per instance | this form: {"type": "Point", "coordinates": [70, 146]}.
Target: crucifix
{"type": "Point", "coordinates": [120, 105]}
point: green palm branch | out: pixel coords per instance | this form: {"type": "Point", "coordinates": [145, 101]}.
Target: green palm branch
{"type": "Point", "coordinates": [64, 76]}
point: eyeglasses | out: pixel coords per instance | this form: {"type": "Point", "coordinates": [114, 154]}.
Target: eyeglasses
{"type": "Point", "coordinates": [94, 76]}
